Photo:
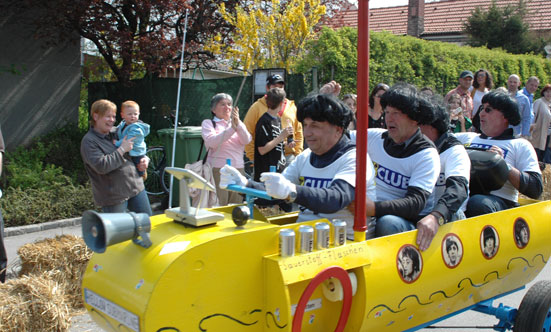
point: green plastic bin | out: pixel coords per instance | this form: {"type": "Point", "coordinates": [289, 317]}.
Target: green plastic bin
{"type": "Point", "coordinates": [188, 143]}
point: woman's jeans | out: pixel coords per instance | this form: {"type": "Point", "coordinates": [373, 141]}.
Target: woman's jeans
{"type": "Point", "coordinates": [137, 204]}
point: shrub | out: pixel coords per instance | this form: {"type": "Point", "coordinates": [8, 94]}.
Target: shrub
{"type": "Point", "coordinates": [53, 158]}
{"type": "Point", "coordinates": [31, 206]}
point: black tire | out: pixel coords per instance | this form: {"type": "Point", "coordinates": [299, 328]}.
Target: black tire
{"type": "Point", "coordinates": [165, 176]}
{"type": "Point", "coordinates": [533, 313]}
{"type": "Point", "coordinates": [157, 163]}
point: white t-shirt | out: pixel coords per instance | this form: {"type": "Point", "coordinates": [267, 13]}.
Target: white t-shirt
{"type": "Point", "coordinates": [395, 175]}
{"type": "Point", "coordinates": [477, 100]}
{"type": "Point", "coordinates": [517, 152]}
{"type": "Point", "coordinates": [301, 172]}
{"type": "Point", "coordinates": [453, 162]}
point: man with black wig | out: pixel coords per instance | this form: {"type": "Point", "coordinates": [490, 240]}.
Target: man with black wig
{"type": "Point", "coordinates": [448, 200]}
{"type": "Point", "coordinates": [500, 112]}
{"type": "Point", "coordinates": [406, 162]}
{"type": "Point", "coordinates": [321, 180]}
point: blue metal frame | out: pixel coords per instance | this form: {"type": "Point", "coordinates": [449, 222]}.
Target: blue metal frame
{"type": "Point", "coordinates": [505, 314]}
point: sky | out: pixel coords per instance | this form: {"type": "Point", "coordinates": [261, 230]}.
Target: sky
{"type": "Point", "coordinates": [389, 3]}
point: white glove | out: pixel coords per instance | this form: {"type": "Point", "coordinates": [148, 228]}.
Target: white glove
{"type": "Point", "coordinates": [230, 175]}
{"type": "Point", "coordinates": [277, 185]}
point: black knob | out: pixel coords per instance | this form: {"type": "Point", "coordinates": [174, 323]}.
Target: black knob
{"type": "Point", "coordinates": [240, 215]}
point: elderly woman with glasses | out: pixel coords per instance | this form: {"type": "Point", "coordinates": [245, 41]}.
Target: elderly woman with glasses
{"type": "Point", "coordinates": [499, 112]}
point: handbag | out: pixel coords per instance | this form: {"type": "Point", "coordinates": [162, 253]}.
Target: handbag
{"type": "Point", "coordinates": [203, 198]}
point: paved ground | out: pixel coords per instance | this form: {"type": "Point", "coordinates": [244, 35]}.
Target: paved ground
{"type": "Point", "coordinates": [469, 321]}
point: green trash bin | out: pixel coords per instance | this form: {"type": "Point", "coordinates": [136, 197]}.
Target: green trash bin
{"type": "Point", "coordinates": [188, 143]}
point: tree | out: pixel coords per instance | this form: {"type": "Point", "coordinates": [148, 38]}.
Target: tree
{"type": "Point", "coordinates": [268, 33]}
{"type": "Point", "coordinates": [501, 26]}
{"type": "Point", "coordinates": [127, 33]}
{"type": "Point", "coordinates": [333, 52]}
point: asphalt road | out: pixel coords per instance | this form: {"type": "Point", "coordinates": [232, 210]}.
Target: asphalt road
{"type": "Point", "coordinates": [469, 321]}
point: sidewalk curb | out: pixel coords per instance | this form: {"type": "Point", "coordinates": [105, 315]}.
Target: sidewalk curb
{"type": "Point", "coordinates": [21, 230]}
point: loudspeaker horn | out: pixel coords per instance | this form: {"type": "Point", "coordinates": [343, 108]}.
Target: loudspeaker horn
{"type": "Point", "coordinates": [101, 230]}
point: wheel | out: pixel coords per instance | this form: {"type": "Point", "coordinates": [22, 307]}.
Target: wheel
{"type": "Point", "coordinates": [153, 183]}
{"type": "Point", "coordinates": [534, 312]}
{"type": "Point", "coordinates": [166, 181]}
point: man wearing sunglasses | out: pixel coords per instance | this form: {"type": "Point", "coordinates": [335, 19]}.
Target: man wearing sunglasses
{"type": "Point", "coordinates": [500, 111]}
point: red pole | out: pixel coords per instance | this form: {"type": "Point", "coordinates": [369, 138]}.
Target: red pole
{"type": "Point", "coordinates": [362, 116]}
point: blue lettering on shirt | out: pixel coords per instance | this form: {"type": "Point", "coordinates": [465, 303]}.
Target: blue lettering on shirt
{"type": "Point", "coordinates": [316, 182]}
{"type": "Point", "coordinates": [392, 178]}
{"type": "Point", "coordinates": [487, 147]}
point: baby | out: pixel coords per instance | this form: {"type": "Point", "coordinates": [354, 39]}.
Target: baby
{"type": "Point", "coordinates": [132, 126]}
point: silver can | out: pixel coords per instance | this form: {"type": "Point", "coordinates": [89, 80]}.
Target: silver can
{"type": "Point", "coordinates": [322, 235]}
{"type": "Point", "coordinates": [339, 232]}
{"type": "Point", "coordinates": [286, 242]}
{"type": "Point", "coordinates": [306, 238]}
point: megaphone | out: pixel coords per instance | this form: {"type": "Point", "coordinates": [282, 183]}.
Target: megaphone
{"type": "Point", "coordinates": [101, 230]}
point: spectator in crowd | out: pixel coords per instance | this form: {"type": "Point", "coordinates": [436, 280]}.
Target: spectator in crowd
{"type": "Point", "coordinates": [3, 255]}
{"type": "Point", "coordinates": [530, 88]}
{"type": "Point", "coordinates": [459, 122]}
{"type": "Point", "coordinates": [539, 130]}
{"type": "Point", "coordinates": [427, 91]}
{"type": "Point", "coordinates": [465, 83]}
{"type": "Point", "coordinates": [287, 113]}
{"type": "Point", "coordinates": [322, 178]}
{"type": "Point", "coordinates": [270, 138]}
{"type": "Point", "coordinates": [482, 84]}
{"type": "Point", "coordinates": [523, 128]}
{"type": "Point", "coordinates": [407, 162]}
{"type": "Point", "coordinates": [116, 184]}
{"type": "Point", "coordinates": [448, 199]}
{"type": "Point", "coordinates": [500, 111]}
{"type": "Point", "coordinates": [225, 138]}
{"type": "Point", "coordinates": [350, 100]}
{"type": "Point", "coordinates": [376, 113]}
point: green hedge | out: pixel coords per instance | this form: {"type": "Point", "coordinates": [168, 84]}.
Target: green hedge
{"type": "Point", "coordinates": [438, 64]}
{"type": "Point", "coordinates": [416, 61]}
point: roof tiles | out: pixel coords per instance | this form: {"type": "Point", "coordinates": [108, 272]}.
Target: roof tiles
{"type": "Point", "coordinates": [446, 16]}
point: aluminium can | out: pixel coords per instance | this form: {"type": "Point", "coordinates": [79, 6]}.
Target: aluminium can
{"type": "Point", "coordinates": [322, 235]}
{"type": "Point", "coordinates": [286, 242]}
{"type": "Point", "coordinates": [339, 232]}
{"type": "Point", "coordinates": [306, 238]}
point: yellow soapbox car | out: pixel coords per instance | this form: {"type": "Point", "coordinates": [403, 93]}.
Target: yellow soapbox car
{"type": "Point", "coordinates": [214, 270]}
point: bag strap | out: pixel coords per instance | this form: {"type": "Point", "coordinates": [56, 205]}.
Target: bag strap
{"type": "Point", "coordinates": [202, 144]}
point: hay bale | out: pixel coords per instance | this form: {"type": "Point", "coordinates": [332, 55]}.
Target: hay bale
{"type": "Point", "coordinates": [546, 195]}
{"type": "Point", "coordinates": [66, 257]}
{"type": "Point", "coordinates": [33, 303]}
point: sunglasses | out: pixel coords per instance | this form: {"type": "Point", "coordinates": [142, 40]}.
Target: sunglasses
{"type": "Point", "coordinates": [487, 109]}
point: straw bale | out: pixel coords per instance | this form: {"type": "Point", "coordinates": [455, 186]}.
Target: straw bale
{"type": "Point", "coordinates": [33, 303]}
{"type": "Point", "coordinates": [546, 183]}
{"type": "Point", "coordinates": [65, 256]}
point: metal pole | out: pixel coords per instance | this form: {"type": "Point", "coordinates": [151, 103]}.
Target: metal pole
{"type": "Point", "coordinates": [362, 114]}
{"type": "Point", "coordinates": [177, 110]}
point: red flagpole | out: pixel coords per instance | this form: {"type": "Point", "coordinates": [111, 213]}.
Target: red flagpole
{"type": "Point", "coordinates": [362, 117]}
